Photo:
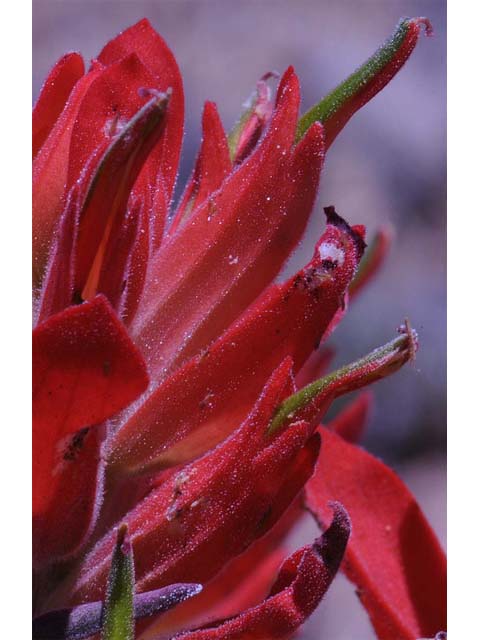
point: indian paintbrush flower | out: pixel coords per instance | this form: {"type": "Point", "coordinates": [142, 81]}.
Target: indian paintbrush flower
{"type": "Point", "coordinates": [179, 392]}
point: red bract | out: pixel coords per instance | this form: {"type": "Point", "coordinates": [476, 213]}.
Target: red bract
{"type": "Point", "coordinates": [393, 556]}
{"type": "Point", "coordinates": [171, 441]}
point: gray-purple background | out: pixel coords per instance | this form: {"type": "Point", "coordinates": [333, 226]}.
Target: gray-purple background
{"type": "Point", "coordinates": [389, 164]}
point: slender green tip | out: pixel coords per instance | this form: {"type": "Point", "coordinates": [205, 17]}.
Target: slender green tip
{"type": "Point", "coordinates": [315, 398]}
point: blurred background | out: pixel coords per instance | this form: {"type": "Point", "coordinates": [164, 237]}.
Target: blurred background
{"type": "Point", "coordinates": [388, 165]}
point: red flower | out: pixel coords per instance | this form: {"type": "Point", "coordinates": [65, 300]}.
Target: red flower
{"type": "Point", "coordinates": [167, 365]}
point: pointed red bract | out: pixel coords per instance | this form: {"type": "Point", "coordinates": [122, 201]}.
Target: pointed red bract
{"type": "Point", "coordinates": [137, 59]}
{"type": "Point", "coordinates": [207, 398]}
{"type": "Point", "coordinates": [199, 304]}
{"type": "Point", "coordinates": [180, 528]}
{"type": "Point", "coordinates": [302, 582]}
{"type": "Point", "coordinates": [49, 173]}
{"type": "Point", "coordinates": [53, 97]}
{"type": "Point", "coordinates": [233, 246]}
{"type": "Point", "coordinates": [211, 167]}
{"type": "Point", "coordinates": [393, 556]}
{"type": "Point", "coordinates": [85, 369]}
{"type": "Point", "coordinates": [96, 236]}
{"type": "Point", "coordinates": [155, 55]}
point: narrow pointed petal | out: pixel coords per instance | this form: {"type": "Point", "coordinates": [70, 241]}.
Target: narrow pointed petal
{"type": "Point", "coordinates": [248, 130]}
{"type": "Point", "coordinates": [180, 528]}
{"type": "Point", "coordinates": [336, 109]}
{"type": "Point", "coordinates": [311, 402]}
{"type": "Point", "coordinates": [373, 260]}
{"type": "Point", "coordinates": [53, 97]}
{"type": "Point", "coordinates": [302, 582]}
{"type": "Point", "coordinates": [85, 620]}
{"type": "Point", "coordinates": [393, 556]}
{"type": "Point", "coordinates": [85, 369]}
{"type": "Point", "coordinates": [206, 399]}
{"type": "Point", "coordinates": [211, 167]}
{"type": "Point", "coordinates": [351, 422]}
{"type": "Point", "coordinates": [118, 614]}
{"type": "Point", "coordinates": [49, 173]}
{"type": "Point", "coordinates": [155, 55]}
{"type": "Point", "coordinates": [233, 246]}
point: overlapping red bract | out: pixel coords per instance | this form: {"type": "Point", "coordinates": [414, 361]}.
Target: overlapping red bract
{"type": "Point", "coordinates": [85, 369]}
{"type": "Point", "coordinates": [101, 101]}
{"type": "Point", "coordinates": [181, 527]}
{"type": "Point", "coordinates": [200, 404]}
{"type": "Point", "coordinates": [49, 173]}
{"type": "Point", "coordinates": [234, 245]}
{"type": "Point", "coordinates": [121, 289]}
{"type": "Point", "coordinates": [211, 167]}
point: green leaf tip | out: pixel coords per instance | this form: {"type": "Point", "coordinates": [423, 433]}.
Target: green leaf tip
{"type": "Point", "coordinates": [335, 109]}
{"type": "Point", "coordinates": [314, 399]}
{"type": "Point", "coordinates": [118, 614]}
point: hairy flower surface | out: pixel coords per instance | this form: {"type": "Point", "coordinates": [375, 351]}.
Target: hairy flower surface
{"type": "Point", "coordinates": [178, 389]}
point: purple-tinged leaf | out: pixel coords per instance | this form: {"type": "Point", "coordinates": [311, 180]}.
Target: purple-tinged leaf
{"type": "Point", "coordinates": [86, 619]}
